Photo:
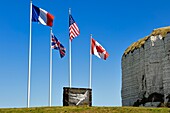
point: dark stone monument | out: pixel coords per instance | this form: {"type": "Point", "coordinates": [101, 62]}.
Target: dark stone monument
{"type": "Point", "coordinates": [77, 96]}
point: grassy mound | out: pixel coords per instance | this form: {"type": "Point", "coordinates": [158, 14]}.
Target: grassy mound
{"type": "Point", "coordinates": [160, 31]}
{"type": "Point", "coordinates": [86, 110]}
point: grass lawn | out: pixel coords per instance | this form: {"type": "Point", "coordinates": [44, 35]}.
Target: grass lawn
{"type": "Point", "coordinates": [85, 110]}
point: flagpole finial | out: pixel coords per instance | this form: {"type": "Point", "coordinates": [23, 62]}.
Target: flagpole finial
{"type": "Point", "coordinates": [91, 35]}
{"type": "Point", "coordinates": [69, 11]}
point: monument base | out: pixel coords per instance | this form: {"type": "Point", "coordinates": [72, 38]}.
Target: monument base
{"type": "Point", "coordinates": [77, 96]}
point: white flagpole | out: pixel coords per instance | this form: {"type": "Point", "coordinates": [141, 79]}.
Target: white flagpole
{"type": "Point", "coordinates": [29, 67]}
{"type": "Point", "coordinates": [50, 88]}
{"type": "Point", "coordinates": [70, 52]}
{"type": "Point", "coordinates": [90, 62]}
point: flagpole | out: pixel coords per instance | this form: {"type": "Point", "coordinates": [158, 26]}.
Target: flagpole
{"type": "Point", "coordinates": [50, 88]}
{"type": "Point", "coordinates": [90, 63]}
{"type": "Point", "coordinates": [29, 67]}
{"type": "Point", "coordinates": [70, 52]}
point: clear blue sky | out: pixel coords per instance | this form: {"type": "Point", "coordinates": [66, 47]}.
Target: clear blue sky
{"type": "Point", "coordinates": [114, 24]}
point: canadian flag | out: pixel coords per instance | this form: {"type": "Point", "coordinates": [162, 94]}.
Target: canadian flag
{"type": "Point", "coordinates": [98, 50]}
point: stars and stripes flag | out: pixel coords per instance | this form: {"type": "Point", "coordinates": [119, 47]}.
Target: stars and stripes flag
{"type": "Point", "coordinates": [42, 16]}
{"type": "Point", "coordinates": [98, 50]}
{"type": "Point", "coordinates": [58, 46]}
{"type": "Point", "coordinates": [73, 28]}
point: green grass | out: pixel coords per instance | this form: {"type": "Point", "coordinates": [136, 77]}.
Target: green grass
{"type": "Point", "coordinates": [85, 110]}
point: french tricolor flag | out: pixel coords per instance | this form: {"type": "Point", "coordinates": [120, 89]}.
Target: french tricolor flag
{"type": "Point", "coordinates": [42, 16]}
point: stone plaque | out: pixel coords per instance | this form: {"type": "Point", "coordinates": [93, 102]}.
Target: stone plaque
{"type": "Point", "coordinates": [77, 96]}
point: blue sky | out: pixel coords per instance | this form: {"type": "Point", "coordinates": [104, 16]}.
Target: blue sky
{"type": "Point", "coordinates": [114, 24]}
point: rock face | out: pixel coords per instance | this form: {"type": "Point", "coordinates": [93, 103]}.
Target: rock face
{"type": "Point", "coordinates": [146, 70]}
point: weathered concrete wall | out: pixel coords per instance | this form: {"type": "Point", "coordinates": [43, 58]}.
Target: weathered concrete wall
{"type": "Point", "coordinates": [146, 72]}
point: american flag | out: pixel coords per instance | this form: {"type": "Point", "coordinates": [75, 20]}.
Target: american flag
{"type": "Point", "coordinates": [73, 28]}
{"type": "Point", "coordinates": [58, 46]}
